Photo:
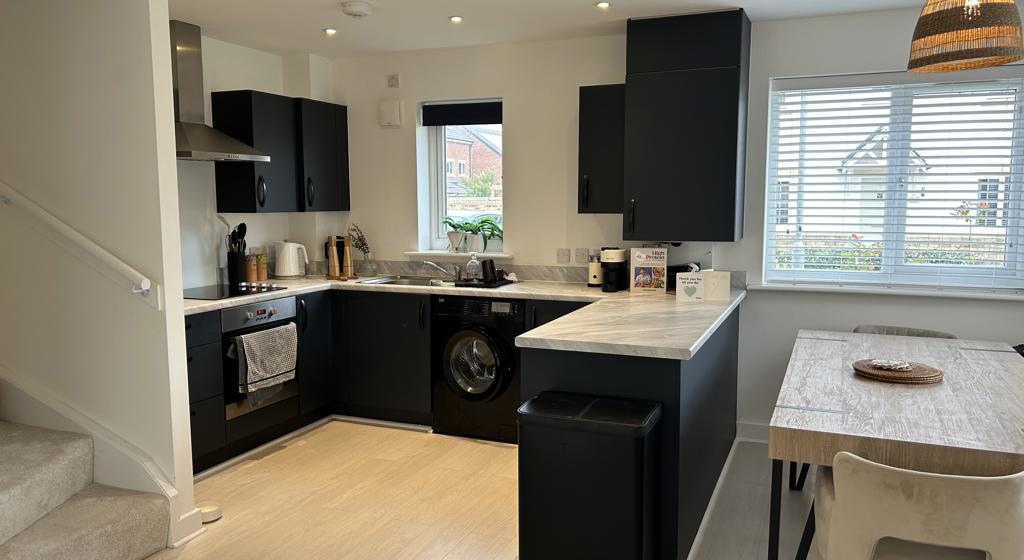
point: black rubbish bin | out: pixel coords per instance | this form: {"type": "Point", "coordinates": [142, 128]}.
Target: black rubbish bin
{"type": "Point", "coordinates": [587, 477]}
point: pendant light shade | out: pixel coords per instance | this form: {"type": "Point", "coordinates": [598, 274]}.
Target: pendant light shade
{"type": "Point", "coordinates": [953, 35]}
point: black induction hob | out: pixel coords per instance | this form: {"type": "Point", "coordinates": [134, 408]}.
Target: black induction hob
{"type": "Point", "coordinates": [223, 291]}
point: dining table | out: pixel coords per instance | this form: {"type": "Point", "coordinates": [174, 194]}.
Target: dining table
{"type": "Point", "coordinates": [969, 423]}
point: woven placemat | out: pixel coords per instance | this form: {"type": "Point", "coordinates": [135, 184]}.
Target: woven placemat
{"type": "Point", "coordinates": [919, 374]}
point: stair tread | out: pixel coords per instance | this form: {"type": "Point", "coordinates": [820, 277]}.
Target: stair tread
{"type": "Point", "coordinates": [39, 470]}
{"type": "Point", "coordinates": [100, 522]}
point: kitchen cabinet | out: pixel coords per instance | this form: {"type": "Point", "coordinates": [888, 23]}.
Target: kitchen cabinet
{"type": "Point", "coordinates": [268, 123]}
{"type": "Point", "coordinates": [323, 155]}
{"type": "Point", "coordinates": [387, 365]}
{"type": "Point", "coordinates": [205, 365]}
{"type": "Point", "coordinates": [685, 128]}
{"type": "Point", "coordinates": [202, 328]}
{"type": "Point", "coordinates": [602, 131]}
{"type": "Point", "coordinates": [205, 371]}
{"type": "Point", "coordinates": [316, 376]}
{"type": "Point", "coordinates": [539, 312]}
{"type": "Point", "coordinates": [207, 423]}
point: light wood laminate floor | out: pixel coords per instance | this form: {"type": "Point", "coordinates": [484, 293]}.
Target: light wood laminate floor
{"type": "Point", "coordinates": [352, 491]}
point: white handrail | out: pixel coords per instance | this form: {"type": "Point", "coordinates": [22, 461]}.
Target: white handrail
{"type": "Point", "coordinates": [139, 283]}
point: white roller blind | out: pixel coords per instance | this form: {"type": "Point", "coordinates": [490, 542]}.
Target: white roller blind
{"type": "Point", "coordinates": [900, 185]}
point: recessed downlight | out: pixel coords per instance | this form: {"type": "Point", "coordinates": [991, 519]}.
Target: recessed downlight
{"type": "Point", "coordinates": [603, 5]}
{"type": "Point", "coordinates": [330, 31]}
{"type": "Point", "coordinates": [455, 19]}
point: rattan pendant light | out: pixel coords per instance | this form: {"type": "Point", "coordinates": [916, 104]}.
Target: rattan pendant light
{"type": "Point", "coordinates": [953, 35]}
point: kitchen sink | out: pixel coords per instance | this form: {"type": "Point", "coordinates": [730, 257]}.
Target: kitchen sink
{"type": "Point", "coordinates": [401, 280]}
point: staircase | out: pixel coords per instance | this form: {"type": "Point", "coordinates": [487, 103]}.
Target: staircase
{"type": "Point", "coordinates": [51, 508]}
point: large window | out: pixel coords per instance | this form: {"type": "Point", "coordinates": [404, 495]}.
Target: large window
{"type": "Point", "coordinates": [471, 188]}
{"type": "Point", "coordinates": [465, 164]}
{"type": "Point", "coordinates": [900, 185]}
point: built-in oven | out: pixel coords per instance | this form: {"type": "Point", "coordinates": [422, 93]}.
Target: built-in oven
{"type": "Point", "coordinates": [244, 413]}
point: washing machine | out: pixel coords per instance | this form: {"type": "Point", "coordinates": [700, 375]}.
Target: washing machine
{"type": "Point", "coordinates": [475, 371]}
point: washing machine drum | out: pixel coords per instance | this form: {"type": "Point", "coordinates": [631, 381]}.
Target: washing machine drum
{"type": "Point", "coordinates": [476, 365]}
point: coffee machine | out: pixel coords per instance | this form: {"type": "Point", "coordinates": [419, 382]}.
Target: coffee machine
{"type": "Point", "coordinates": [615, 265]}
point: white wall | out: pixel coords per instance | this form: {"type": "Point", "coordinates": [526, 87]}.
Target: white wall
{"type": "Point", "coordinates": [227, 66]}
{"type": "Point", "coordinates": [539, 84]}
{"type": "Point", "coordinates": [88, 134]}
{"type": "Point", "coordinates": [870, 42]}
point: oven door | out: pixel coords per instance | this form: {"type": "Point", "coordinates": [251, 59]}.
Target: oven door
{"type": "Point", "coordinates": [238, 404]}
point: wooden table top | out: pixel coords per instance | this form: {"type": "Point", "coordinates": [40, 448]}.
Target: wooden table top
{"type": "Point", "coordinates": [971, 423]}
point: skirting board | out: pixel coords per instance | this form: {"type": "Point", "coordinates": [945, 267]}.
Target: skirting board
{"type": "Point", "coordinates": [714, 500]}
{"type": "Point", "coordinates": [750, 431]}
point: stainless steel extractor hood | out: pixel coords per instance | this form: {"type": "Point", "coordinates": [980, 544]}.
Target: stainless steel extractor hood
{"type": "Point", "coordinates": [196, 140]}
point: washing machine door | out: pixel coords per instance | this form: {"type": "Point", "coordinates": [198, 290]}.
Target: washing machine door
{"type": "Point", "coordinates": [476, 365]}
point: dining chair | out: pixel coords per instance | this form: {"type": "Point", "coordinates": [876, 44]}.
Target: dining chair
{"type": "Point", "coordinates": [901, 331]}
{"type": "Point", "coordinates": [867, 511]}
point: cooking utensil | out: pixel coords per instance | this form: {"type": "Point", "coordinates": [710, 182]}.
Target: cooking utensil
{"type": "Point", "coordinates": [242, 230]}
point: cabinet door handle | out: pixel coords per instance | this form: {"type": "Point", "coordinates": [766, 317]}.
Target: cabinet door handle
{"type": "Point", "coordinates": [423, 316]}
{"type": "Point", "coordinates": [261, 191]}
{"type": "Point", "coordinates": [303, 316]}
{"type": "Point", "coordinates": [188, 326]}
{"type": "Point", "coordinates": [632, 215]}
{"type": "Point", "coordinates": [189, 359]}
{"type": "Point", "coordinates": [533, 318]}
{"type": "Point", "coordinates": [310, 191]}
{"type": "Point", "coordinates": [586, 191]}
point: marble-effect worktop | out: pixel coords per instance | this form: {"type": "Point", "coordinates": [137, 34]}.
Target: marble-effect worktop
{"type": "Point", "coordinates": [645, 325]}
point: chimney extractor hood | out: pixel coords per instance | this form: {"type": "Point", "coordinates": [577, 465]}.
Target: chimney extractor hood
{"type": "Point", "coordinates": [196, 140]}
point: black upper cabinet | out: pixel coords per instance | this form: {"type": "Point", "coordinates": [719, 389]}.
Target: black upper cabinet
{"type": "Point", "coordinates": [267, 122]}
{"type": "Point", "coordinates": [323, 156]}
{"type": "Point", "coordinates": [687, 42]}
{"type": "Point", "coordinates": [602, 129]}
{"type": "Point", "coordinates": [387, 373]}
{"type": "Point", "coordinates": [317, 383]}
{"type": "Point", "coordinates": [685, 134]}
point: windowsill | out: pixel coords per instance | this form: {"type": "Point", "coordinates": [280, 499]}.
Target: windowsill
{"type": "Point", "coordinates": [449, 256]}
{"type": "Point", "coordinates": [952, 293]}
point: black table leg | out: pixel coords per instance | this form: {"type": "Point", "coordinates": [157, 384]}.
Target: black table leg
{"type": "Point", "coordinates": [775, 514]}
{"type": "Point", "coordinates": [794, 483]}
{"type": "Point", "coordinates": [805, 541]}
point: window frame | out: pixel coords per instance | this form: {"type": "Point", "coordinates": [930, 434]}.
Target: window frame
{"type": "Point", "coordinates": [894, 272]}
{"type": "Point", "coordinates": [438, 191]}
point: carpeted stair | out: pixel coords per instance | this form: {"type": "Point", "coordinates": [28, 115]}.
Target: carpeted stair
{"type": "Point", "coordinates": [50, 508]}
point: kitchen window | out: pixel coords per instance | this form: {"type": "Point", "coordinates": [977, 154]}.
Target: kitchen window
{"type": "Point", "coordinates": [914, 185]}
{"type": "Point", "coordinates": [465, 158]}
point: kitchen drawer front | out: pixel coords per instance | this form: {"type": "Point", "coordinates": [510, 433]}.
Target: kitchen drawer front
{"type": "Point", "coordinates": [205, 372]}
{"type": "Point", "coordinates": [207, 418]}
{"type": "Point", "coordinates": [202, 329]}
{"type": "Point", "coordinates": [262, 419]}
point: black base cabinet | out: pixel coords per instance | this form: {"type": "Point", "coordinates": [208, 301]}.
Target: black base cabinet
{"type": "Point", "coordinates": [317, 379]}
{"type": "Point", "coordinates": [387, 356]}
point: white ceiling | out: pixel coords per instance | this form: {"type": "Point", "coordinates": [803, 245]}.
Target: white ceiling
{"type": "Point", "coordinates": [289, 26]}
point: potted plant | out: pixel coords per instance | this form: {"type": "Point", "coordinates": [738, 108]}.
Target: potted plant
{"type": "Point", "coordinates": [489, 229]}
{"type": "Point", "coordinates": [457, 235]}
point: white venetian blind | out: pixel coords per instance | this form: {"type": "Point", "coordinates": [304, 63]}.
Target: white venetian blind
{"type": "Point", "coordinates": [900, 185]}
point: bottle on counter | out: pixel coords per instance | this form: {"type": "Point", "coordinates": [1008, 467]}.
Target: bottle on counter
{"type": "Point", "coordinates": [473, 270]}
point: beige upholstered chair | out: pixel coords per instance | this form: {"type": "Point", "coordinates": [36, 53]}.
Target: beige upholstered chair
{"type": "Point", "coordinates": [901, 331]}
{"type": "Point", "coordinates": [867, 511]}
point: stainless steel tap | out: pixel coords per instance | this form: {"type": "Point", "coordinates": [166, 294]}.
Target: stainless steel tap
{"type": "Point", "coordinates": [456, 276]}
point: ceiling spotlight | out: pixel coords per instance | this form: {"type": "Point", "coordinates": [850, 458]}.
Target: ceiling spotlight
{"type": "Point", "coordinates": [603, 5]}
{"type": "Point", "coordinates": [455, 19]}
{"type": "Point", "coordinates": [330, 31]}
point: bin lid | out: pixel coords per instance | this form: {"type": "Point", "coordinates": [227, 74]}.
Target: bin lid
{"type": "Point", "coordinates": [589, 413]}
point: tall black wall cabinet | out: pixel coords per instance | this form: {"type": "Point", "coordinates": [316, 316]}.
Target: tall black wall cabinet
{"type": "Point", "coordinates": [602, 130]}
{"type": "Point", "coordinates": [307, 142]}
{"type": "Point", "coordinates": [667, 149]}
{"type": "Point", "coordinates": [686, 119]}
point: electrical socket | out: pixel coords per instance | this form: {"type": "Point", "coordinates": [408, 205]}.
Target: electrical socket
{"type": "Point", "coordinates": [582, 255]}
{"type": "Point", "coordinates": [394, 81]}
{"type": "Point", "coordinates": [562, 255]}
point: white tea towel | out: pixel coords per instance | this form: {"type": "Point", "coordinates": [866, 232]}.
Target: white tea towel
{"type": "Point", "coordinates": [266, 358]}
